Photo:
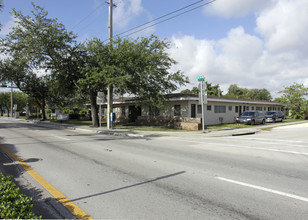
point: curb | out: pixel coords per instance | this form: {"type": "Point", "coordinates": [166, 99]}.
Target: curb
{"type": "Point", "coordinates": [120, 133]}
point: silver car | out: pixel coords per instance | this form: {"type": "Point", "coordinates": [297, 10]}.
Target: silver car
{"type": "Point", "coordinates": [273, 116]}
{"type": "Point", "coordinates": [251, 117]}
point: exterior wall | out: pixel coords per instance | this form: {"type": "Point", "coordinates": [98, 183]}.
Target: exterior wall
{"type": "Point", "coordinates": [219, 118]}
{"type": "Point", "coordinates": [233, 109]}
{"type": "Point", "coordinates": [168, 109]}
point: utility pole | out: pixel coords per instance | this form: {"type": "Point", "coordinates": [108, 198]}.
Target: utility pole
{"type": "Point", "coordinates": [110, 87]}
{"type": "Point", "coordinates": [11, 100]}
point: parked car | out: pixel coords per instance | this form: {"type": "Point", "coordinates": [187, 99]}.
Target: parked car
{"type": "Point", "coordinates": [251, 117]}
{"type": "Point", "coordinates": [273, 116]}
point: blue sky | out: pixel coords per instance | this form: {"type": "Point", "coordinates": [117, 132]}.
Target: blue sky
{"type": "Point", "coordinates": [252, 43]}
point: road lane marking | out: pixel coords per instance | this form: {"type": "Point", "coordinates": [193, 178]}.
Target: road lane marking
{"type": "Point", "coordinates": [267, 139]}
{"type": "Point", "coordinates": [68, 204]}
{"type": "Point", "coordinates": [264, 189]}
{"type": "Point", "coordinates": [63, 138]}
{"type": "Point", "coordinates": [261, 148]}
{"type": "Point", "coordinates": [274, 142]}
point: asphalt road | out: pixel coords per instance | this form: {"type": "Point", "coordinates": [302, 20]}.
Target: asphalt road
{"type": "Point", "coordinates": [163, 176]}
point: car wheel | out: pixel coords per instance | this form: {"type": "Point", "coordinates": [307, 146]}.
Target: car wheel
{"type": "Point", "coordinates": [263, 121]}
{"type": "Point", "coordinates": [274, 120]}
{"type": "Point", "coordinates": [252, 122]}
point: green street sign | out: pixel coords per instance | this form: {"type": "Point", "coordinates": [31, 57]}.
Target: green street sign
{"type": "Point", "coordinates": [201, 78]}
{"type": "Point", "coordinates": [3, 108]}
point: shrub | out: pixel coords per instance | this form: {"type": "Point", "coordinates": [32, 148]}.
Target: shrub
{"type": "Point", "coordinates": [48, 111]}
{"type": "Point", "coordinates": [34, 115]}
{"type": "Point", "coordinates": [14, 205]}
{"type": "Point", "coordinates": [83, 112]}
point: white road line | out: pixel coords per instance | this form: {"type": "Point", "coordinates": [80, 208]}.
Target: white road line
{"type": "Point", "coordinates": [266, 139]}
{"type": "Point", "coordinates": [262, 148]}
{"type": "Point", "coordinates": [63, 138]}
{"type": "Point", "coordinates": [264, 189]}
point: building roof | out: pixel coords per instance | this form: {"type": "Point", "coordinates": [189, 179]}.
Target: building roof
{"type": "Point", "coordinates": [193, 97]}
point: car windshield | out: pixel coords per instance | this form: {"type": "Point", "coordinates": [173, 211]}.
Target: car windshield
{"type": "Point", "coordinates": [270, 113]}
{"type": "Point", "coordinates": [248, 114]}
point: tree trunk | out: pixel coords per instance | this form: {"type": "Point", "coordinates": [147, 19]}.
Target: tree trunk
{"type": "Point", "coordinates": [94, 112]}
{"type": "Point", "coordinates": [43, 110]}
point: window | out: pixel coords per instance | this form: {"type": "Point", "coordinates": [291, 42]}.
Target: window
{"type": "Point", "coordinates": [230, 108]}
{"type": "Point", "coordinates": [153, 111]}
{"type": "Point", "coordinates": [264, 108]}
{"type": "Point", "coordinates": [123, 110]}
{"type": "Point", "coordinates": [247, 108]}
{"type": "Point", "coordinates": [177, 110]}
{"type": "Point", "coordinates": [220, 109]}
{"type": "Point", "coordinates": [252, 108]}
{"type": "Point", "coordinates": [236, 109]}
{"type": "Point", "coordinates": [259, 108]}
{"type": "Point", "coordinates": [199, 109]}
{"type": "Point", "coordinates": [209, 108]}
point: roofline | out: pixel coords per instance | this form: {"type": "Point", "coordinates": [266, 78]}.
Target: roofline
{"type": "Point", "coordinates": [193, 97]}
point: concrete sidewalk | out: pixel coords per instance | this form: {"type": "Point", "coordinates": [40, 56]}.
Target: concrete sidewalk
{"type": "Point", "coordinates": [134, 133]}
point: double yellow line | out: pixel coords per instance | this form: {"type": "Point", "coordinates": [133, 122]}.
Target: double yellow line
{"type": "Point", "coordinates": [68, 204]}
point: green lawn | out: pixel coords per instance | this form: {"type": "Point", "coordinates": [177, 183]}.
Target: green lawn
{"type": "Point", "coordinates": [73, 121]}
{"type": "Point", "coordinates": [164, 128]}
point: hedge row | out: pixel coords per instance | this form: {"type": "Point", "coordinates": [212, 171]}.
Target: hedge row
{"type": "Point", "coordinates": [14, 205]}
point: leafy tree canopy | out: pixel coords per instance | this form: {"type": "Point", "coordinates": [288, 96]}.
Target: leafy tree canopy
{"type": "Point", "coordinates": [258, 94]}
{"type": "Point", "coordinates": [40, 51]}
{"type": "Point", "coordinates": [210, 89]}
{"type": "Point", "coordinates": [137, 67]}
{"type": "Point", "coordinates": [295, 99]}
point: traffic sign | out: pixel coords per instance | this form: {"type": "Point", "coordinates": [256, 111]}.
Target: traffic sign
{"type": "Point", "coordinates": [201, 78]}
{"type": "Point", "coordinates": [99, 101]}
{"type": "Point", "coordinates": [100, 94]}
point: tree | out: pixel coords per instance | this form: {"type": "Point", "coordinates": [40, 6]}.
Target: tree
{"type": "Point", "coordinates": [20, 99]}
{"type": "Point", "coordinates": [1, 7]}
{"type": "Point", "coordinates": [235, 91]}
{"type": "Point", "coordinates": [213, 90]}
{"type": "Point", "coordinates": [210, 89]}
{"type": "Point", "coordinates": [5, 102]}
{"type": "Point", "coordinates": [41, 51]}
{"type": "Point", "coordinates": [258, 94]}
{"type": "Point", "coordinates": [139, 67]}
{"type": "Point", "coordinates": [194, 91]}
{"type": "Point", "coordinates": [294, 98]}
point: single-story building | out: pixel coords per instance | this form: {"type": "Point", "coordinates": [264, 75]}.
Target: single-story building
{"type": "Point", "coordinates": [184, 111]}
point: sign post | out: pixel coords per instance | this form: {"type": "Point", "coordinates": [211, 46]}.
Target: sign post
{"type": "Point", "coordinates": [201, 97]}
{"type": "Point", "coordinates": [100, 101]}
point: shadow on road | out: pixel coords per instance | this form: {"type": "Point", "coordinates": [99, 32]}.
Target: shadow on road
{"type": "Point", "coordinates": [130, 186]}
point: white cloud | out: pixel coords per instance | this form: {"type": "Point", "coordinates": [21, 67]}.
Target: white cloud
{"type": "Point", "coordinates": [273, 59]}
{"type": "Point", "coordinates": [126, 11]}
{"type": "Point", "coordinates": [284, 27]}
{"type": "Point", "coordinates": [235, 8]}
{"type": "Point", "coordinates": [240, 58]}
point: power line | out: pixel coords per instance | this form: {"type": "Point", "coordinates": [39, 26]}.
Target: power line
{"type": "Point", "coordinates": [160, 17]}
{"type": "Point", "coordinates": [189, 10]}
{"type": "Point", "coordinates": [92, 12]}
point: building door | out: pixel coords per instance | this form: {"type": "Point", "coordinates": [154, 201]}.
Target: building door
{"type": "Point", "coordinates": [240, 110]}
{"type": "Point", "coordinates": [193, 110]}
{"type": "Point", "coordinates": [133, 113]}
